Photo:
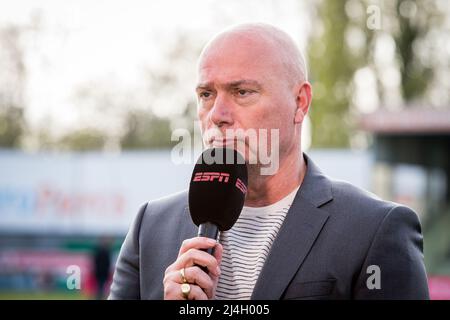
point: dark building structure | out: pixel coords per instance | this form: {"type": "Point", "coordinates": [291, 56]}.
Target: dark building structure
{"type": "Point", "coordinates": [418, 137]}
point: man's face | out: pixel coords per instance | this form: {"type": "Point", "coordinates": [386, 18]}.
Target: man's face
{"type": "Point", "coordinates": [242, 85]}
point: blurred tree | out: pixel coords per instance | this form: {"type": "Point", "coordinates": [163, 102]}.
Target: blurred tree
{"type": "Point", "coordinates": [144, 131]}
{"type": "Point", "coordinates": [332, 66]}
{"type": "Point", "coordinates": [176, 73]}
{"type": "Point", "coordinates": [414, 23]}
{"type": "Point", "coordinates": [11, 126]}
{"type": "Point", "coordinates": [136, 118]}
{"type": "Point", "coordinates": [342, 43]}
{"type": "Point", "coordinates": [12, 83]}
{"type": "Point", "coordinates": [85, 139]}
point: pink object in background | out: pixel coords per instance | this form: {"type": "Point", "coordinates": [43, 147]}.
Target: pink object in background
{"type": "Point", "coordinates": [439, 287]}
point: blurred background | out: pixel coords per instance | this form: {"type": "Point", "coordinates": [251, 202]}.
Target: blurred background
{"type": "Point", "coordinates": [91, 91]}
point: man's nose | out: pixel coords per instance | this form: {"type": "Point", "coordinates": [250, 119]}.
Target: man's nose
{"type": "Point", "coordinates": [221, 113]}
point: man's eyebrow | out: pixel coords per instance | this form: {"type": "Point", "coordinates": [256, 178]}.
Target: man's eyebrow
{"type": "Point", "coordinates": [232, 84]}
{"type": "Point", "coordinates": [243, 82]}
{"type": "Point", "coordinates": [204, 85]}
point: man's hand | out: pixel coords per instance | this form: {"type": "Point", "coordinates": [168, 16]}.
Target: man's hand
{"type": "Point", "coordinates": [190, 257]}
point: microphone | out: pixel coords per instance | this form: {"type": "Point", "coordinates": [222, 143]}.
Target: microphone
{"type": "Point", "coordinates": [217, 191]}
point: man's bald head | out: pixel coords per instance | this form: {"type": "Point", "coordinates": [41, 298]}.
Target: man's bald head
{"type": "Point", "coordinates": [253, 77]}
{"type": "Point", "coordinates": [268, 40]}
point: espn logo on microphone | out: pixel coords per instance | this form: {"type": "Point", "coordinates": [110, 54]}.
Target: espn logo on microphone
{"type": "Point", "coordinates": [241, 186]}
{"type": "Point", "coordinates": [220, 177]}
{"type": "Point", "coordinates": [211, 176]}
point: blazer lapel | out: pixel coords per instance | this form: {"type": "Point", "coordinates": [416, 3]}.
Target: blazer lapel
{"type": "Point", "coordinates": [302, 225]}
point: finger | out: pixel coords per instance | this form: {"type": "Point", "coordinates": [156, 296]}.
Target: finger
{"type": "Point", "coordinates": [196, 293]}
{"type": "Point", "coordinates": [173, 276]}
{"type": "Point", "coordinates": [196, 257]}
{"type": "Point", "coordinates": [188, 244]}
{"type": "Point", "coordinates": [199, 277]}
{"type": "Point", "coordinates": [193, 275]}
{"type": "Point", "coordinates": [196, 243]}
{"type": "Point", "coordinates": [172, 291]}
{"type": "Point", "coordinates": [218, 252]}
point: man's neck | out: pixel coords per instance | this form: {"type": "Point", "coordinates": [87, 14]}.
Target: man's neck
{"type": "Point", "coordinates": [264, 190]}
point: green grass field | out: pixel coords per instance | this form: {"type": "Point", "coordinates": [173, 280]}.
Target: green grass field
{"type": "Point", "coordinates": [54, 295]}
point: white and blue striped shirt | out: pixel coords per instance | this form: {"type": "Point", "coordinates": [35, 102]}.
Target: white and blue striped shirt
{"type": "Point", "coordinates": [246, 246]}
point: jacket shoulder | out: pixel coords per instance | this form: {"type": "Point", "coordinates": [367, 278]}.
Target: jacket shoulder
{"type": "Point", "coordinates": [178, 200]}
{"type": "Point", "coordinates": [174, 203]}
{"type": "Point", "coordinates": [363, 209]}
{"type": "Point", "coordinates": [358, 199]}
{"type": "Point", "coordinates": [168, 213]}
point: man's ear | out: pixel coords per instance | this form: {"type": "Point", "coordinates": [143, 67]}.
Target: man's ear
{"type": "Point", "coordinates": [303, 100]}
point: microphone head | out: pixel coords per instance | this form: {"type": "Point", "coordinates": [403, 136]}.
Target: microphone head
{"type": "Point", "coordinates": [218, 188]}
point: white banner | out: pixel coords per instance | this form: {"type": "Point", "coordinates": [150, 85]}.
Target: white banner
{"type": "Point", "coordinates": [82, 193]}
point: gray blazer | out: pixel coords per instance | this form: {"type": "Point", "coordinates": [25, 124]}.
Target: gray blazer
{"type": "Point", "coordinates": [332, 236]}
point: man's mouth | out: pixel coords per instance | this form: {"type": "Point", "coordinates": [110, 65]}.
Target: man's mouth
{"type": "Point", "coordinates": [219, 139]}
{"type": "Point", "coordinates": [218, 142]}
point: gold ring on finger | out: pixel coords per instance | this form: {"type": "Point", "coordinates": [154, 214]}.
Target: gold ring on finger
{"type": "Point", "coordinates": [185, 290]}
{"type": "Point", "coordinates": [183, 275]}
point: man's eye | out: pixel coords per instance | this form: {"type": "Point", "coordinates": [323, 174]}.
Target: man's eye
{"type": "Point", "coordinates": [243, 92]}
{"type": "Point", "coordinates": [205, 94]}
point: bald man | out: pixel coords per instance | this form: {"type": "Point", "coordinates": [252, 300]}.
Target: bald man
{"type": "Point", "coordinates": [300, 234]}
